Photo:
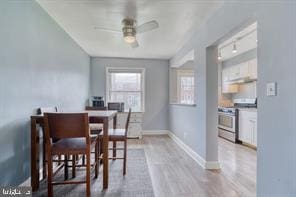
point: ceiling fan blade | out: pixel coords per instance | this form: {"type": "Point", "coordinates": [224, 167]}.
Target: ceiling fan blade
{"type": "Point", "coordinates": [108, 30]}
{"type": "Point", "coordinates": [147, 26]}
{"type": "Point", "coordinates": [135, 44]}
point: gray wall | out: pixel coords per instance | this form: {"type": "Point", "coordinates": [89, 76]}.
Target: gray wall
{"type": "Point", "coordinates": [39, 66]}
{"type": "Point", "coordinates": [276, 115]}
{"type": "Point", "coordinates": [156, 86]}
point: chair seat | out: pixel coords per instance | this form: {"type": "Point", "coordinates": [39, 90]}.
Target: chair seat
{"type": "Point", "coordinates": [95, 126]}
{"type": "Point", "coordinates": [72, 146]}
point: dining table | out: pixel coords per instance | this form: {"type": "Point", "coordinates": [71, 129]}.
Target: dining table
{"type": "Point", "coordinates": [37, 121]}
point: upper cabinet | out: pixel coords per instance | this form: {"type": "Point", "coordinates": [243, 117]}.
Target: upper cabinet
{"type": "Point", "coordinates": [243, 72]}
{"type": "Point", "coordinates": [253, 68]}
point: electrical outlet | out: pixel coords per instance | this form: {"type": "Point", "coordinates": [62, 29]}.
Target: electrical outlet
{"type": "Point", "coordinates": [271, 89]}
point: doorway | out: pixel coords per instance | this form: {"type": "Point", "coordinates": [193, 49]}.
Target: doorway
{"type": "Point", "coordinates": [237, 107]}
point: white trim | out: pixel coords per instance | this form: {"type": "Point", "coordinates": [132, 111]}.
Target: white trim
{"type": "Point", "coordinates": [212, 165]}
{"type": "Point", "coordinates": [155, 132]}
{"type": "Point", "coordinates": [209, 165]}
{"type": "Point", "coordinates": [26, 183]}
{"type": "Point", "coordinates": [187, 57]}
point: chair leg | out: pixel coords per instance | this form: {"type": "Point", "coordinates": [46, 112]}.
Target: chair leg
{"type": "Point", "coordinates": [59, 159]}
{"type": "Point", "coordinates": [114, 150]}
{"type": "Point", "coordinates": [100, 150]}
{"type": "Point", "coordinates": [96, 160]}
{"type": "Point", "coordinates": [49, 176]}
{"type": "Point", "coordinates": [124, 157]}
{"type": "Point", "coordinates": [88, 174]}
{"type": "Point", "coordinates": [83, 160]}
{"type": "Point", "coordinates": [66, 176]}
{"type": "Point", "coordinates": [73, 166]}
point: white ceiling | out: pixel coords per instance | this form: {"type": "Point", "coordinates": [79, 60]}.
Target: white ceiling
{"type": "Point", "coordinates": [177, 20]}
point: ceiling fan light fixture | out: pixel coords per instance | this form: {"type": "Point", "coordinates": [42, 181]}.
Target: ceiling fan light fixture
{"type": "Point", "coordinates": [129, 39]}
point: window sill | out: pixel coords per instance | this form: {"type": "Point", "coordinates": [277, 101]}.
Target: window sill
{"type": "Point", "coordinates": [181, 104]}
{"type": "Point", "coordinates": [132, 112]}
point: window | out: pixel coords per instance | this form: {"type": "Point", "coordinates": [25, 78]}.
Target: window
{"type": "Point", "coordinates": [182, 85]}
{"type": "Point", "coordinates": [127, 86]}
{"type": "Point", "coordinates": [185, 86]}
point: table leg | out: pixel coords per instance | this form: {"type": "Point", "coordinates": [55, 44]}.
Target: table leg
{"type": "Point", "coordinates": [34, 155]}
{"type": "Point", "coordinates": [105, 154]}
{"type": "Point", "coordinates": [114, 121]}
{"type": "Point", "coordinates": [43, 155]}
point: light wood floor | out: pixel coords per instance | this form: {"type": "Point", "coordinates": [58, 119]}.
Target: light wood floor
{"type": "Point", "coordinates": [175, 174]}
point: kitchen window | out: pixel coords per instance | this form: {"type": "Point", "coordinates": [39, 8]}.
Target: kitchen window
{"type": "Point", "coordinates": [127, 86]}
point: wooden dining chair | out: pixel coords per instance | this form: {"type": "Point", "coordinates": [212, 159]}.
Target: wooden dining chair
{"type": "Point", "coordinates": [72, 130]}
{"type": "Point", "coordinates": [41, 111]}
{"type": "Point", "coordinates": [119, 135]}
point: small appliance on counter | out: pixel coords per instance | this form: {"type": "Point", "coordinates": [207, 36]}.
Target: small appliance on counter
{"type": "Point", "coordinates": [116, 106]}
{"type": "Point", "coordinates": [97, 101]}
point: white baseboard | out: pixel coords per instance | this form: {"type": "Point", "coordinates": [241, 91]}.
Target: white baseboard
{"type": "Point", "coordinates": [26, 183]}
{"type": "Point", "coordinates": [209, 165]}
{"type": "Point", "coordinates": [212, 165]}
{"type": "Point", "coordinates": [155, 132]}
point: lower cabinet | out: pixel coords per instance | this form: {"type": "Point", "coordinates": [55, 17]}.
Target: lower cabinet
{"type": "Point", "coordinates": [248, 127]}
{"type": "Point", "coordinates": [135, 124]}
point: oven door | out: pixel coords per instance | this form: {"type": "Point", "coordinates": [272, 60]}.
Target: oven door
{"type": "Point", "coordinates": [226, 121]}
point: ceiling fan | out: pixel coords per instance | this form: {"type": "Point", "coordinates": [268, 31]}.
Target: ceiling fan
{"type": "Point", "coordinates": [130, 30]}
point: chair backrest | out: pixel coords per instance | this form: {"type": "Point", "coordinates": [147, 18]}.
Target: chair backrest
{"type": "Point", "coordinates": [43, 110]}
{"type": "Point", "coordinates": [66, 125]}
{"type": "Point", "coordinates": [128, 120]}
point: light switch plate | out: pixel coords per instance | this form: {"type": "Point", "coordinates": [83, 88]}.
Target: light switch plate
{"type": "Point", "coordinates": [271, 89]}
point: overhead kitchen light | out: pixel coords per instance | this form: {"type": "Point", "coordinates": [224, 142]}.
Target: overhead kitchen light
{"type": "Point", "coordinates": [219, 55]}
{"type": "Point", "coordinates": [234, 50]}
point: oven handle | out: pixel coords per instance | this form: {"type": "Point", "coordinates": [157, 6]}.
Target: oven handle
{"type": "Point", "coordinates": [227, 128]}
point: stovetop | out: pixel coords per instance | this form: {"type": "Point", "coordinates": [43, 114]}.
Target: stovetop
{"type": "Point", "coordinates": [227, 109]}
{"type": "Point", "coordinates": [233, 109]}
{"type": "Point", "coordinates": [242, 103]}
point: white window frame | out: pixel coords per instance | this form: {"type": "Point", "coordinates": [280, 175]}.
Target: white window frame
{"type": "Point", "coordinates": [184, 73]}
{"type": "Point", "coordinates": [127, 70]}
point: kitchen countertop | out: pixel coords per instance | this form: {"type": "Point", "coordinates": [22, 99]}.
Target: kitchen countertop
{"type": "Point", "coordinates": [248, 109]}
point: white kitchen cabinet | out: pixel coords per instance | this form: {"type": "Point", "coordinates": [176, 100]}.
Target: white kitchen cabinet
{"type": "Point", "coordinates": [225, 75]}
{"type": "Point", "coordinates": [248, 126]}
{"type": "Point", "coordinates": [253, 69]}
{"type": "Point", "coordinates": [226, 86]}
{"type": "Point", "coordinates": [135, 124]}
{"type": "Point", "coordinates": [238, 71]}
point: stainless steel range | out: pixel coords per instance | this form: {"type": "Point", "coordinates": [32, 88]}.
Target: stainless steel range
{"type": "Point", "coordinates": [228, 118]}
{"type": "Point", "coordinates": [228, 123]}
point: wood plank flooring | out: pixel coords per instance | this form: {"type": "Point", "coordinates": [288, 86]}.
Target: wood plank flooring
{"type": "Point", "coordinates": [175, 174]}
